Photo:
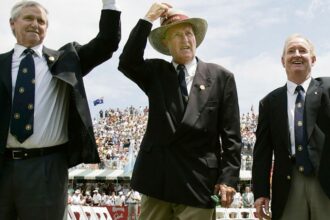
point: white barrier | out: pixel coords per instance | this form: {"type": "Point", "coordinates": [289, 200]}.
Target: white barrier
{"type": "Point", "coordinates": [235, 213]}
{"type": "Point", "coordinates": [77, 212]}
{"type": "Point", "coordinates": [102, 213]}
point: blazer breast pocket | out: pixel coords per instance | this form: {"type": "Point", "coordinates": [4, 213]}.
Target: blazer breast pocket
{"type": "Point", "coordinates": [209, 117]}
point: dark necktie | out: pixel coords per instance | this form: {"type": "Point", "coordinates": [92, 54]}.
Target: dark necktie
{"type": "Point", "coordinates": [182, 83]}
{"type": "Point", "coordinates": [23, 103]}
{"type": "Point", "coordinates": [303, 162]}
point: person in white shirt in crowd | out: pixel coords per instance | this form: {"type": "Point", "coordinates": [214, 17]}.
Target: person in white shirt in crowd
{"type": "Point", "coordinates": [96, 197]}
{"type": "Point", "coordinates": [248, 198]}
{"type": "Point", "coordinates": [133, 198]}
{"type": "Point", "coordinates": [104, 198]}
{"type": "Point", "coordinates": [237, 201]}
{"type": "Point", "coordinates": [76, 197]}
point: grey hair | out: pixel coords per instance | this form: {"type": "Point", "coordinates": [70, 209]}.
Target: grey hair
{"type": "Point", "coordinates": [292, 36]}
{"type": "Point", "coordinates": [17, 8]}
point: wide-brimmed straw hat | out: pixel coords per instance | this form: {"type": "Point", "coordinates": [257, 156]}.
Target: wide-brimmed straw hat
{"type": "Point", "coordinates": [175, 17]}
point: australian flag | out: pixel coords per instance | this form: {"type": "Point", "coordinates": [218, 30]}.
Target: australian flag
{"type": "Point", "coordinates": [98, 101]}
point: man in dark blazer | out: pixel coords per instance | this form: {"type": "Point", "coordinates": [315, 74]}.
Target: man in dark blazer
{"type": "Point", "coordinates": [191, 148]}
{"type": "Point", "coordinates": [34, 170]}
{"type": "Point", "coordinates": [299, 188]}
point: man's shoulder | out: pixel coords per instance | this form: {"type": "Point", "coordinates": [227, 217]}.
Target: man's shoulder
{"type": "Point", "coordinates": [325, 81]}
{"type": "Point", "coordinates": [71, 46]}
{"type": "Point", "coordinates": [214, 66]}
{"type": "Point", "coordinates": [276, 92]}
{"type": "Point", "coordinates": [157, 62]}
{"type": "Point", "coordinates": [6, 54]}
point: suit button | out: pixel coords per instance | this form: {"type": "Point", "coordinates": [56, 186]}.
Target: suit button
{"type": "Point", "coordinates": [300, 148]}
{"type": "Point", "coordinates": [288, 177]}
{"type": "Point", "coordinates": [301, 168]}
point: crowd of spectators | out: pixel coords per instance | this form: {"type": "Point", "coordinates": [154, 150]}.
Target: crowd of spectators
{"type": "Point", "coordinates": [118, 134]}
{"type": "Point", "coordinates": [248, 129]}
{"type": "Point", "coordinates": [100, 194]}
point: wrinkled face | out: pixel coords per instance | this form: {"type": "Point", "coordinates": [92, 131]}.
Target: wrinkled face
{"type": "Point", "coordinates": [30, 26]}
{"type": "Point", "coordinates": [297, 59]}
{"type": "Point", "coordinates": [181, 42]}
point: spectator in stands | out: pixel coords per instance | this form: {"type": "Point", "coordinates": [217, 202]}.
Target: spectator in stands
{"type": "Point", "coordinates": [237, 201]}
{"type": "Point", "coordinates": [121, 199]}
{"type": "Point", "coordinates": [88, 198]}
{"type": "Point", "coordinates": [111, 199]}
{"type": "Point", "coordinates": [52, 130]}
{"type": "Point", "coordinates": [133, 198]}
{"type": "Point", "coordinates": [182, 161]}
{"type": "Point", "coordinates": [82, 200]}
{"type": "Point", "coordinates": [248, 198]}
{"type": "Point", "coordinates": [104, 198]}
{"type": "Point", "coordinates": [96, 197]}
{"type": "Point", "coordinates": [294, 130]}
{"type": "Point", "coordinates": [76, 197]}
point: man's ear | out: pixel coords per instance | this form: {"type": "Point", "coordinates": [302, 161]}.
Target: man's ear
{"type": "Point", "coordinates": [313, 60]}
{"type": "Point", "coordinates": [283, 61]}
{"type": "Point", "coordinates": [11, 22]}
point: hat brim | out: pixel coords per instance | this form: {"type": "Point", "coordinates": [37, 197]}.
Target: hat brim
{"type": "Point", "coordinates": [157, 35]}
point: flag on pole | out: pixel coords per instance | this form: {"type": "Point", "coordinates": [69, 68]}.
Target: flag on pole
{"type": "Point", "coordinates": [98, 101]}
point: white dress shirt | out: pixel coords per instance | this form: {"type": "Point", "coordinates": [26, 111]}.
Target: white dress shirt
{"type": "Point", "coordinates": [292, 96]}
{"type": "Point", "coordinates": [50, 106]}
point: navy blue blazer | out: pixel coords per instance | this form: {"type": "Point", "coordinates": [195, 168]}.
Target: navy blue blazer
{"type": "Point", "coordinates": [273, 138]}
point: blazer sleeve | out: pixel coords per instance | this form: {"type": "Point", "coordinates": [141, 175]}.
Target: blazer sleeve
{"type": "Point", "coordinates": [230, 134]}
{"type": "Point", "coordinates": [262, 153]}
{"type": "Point", "coordinates": [101, 48]}
{"type": "Point", "coordinates": [131, 61]}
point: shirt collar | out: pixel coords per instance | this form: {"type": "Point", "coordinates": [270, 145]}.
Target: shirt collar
{"type": "Point", "coordinates": [190, 67]}
{"type": "Point", "coordinates": [291, 86]}
{"type": "Point", "coordinates": [18, 50]}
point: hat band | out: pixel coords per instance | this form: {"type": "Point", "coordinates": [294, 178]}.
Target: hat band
{"type": "Point", "coordinates": [174, 18]}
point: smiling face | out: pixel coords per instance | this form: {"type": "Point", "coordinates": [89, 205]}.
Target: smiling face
{"type": "Point", "coordinates": [30, 26]}
{"type": "Point", "coordinates": [298, 59]}
{"type": "Point", "coordinates": [181, 43]}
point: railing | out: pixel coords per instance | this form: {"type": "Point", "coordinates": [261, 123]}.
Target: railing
{"type": "Point", "coordinates": [235, 213]}
{"type": "Point", "coordinates": [78, 212]}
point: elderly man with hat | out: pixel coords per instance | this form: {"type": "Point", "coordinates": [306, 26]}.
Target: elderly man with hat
{"type": "Point", "coordinates": [191, 149]}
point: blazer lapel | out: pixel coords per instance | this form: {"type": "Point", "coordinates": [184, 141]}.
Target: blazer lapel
{"type": "Point", "coordinates": [52, 57]}
{"type": "Point", "coordinates": [312, 105]}
{"type": "Point", "coordinates": [199, 93]}
{"type": "Point", "coordinates": [279, 108]}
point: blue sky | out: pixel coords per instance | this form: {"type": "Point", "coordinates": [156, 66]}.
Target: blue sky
{"type": "Point", "coordinates": [244, 36]}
